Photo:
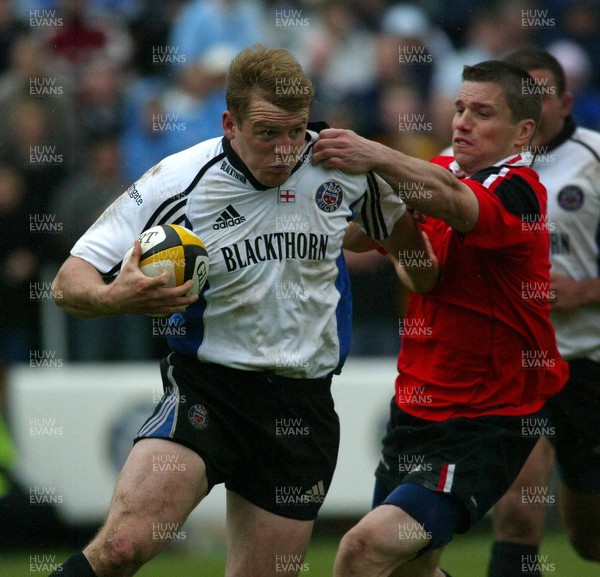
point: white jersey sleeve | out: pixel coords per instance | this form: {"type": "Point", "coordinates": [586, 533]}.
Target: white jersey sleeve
{"type": "Point", "coordinates": [159, 196]}
{"type": "Point", "coordinates": [381, 207]}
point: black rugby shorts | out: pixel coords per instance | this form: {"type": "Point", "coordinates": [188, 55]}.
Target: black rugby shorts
{"type": "Point", "coordinates": [273, 440]}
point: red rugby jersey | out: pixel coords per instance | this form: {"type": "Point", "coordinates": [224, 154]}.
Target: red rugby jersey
{"type": "Point", "coordinates": [481, 342]}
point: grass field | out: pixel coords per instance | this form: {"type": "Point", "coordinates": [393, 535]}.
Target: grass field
{"type": "Point", "coordinates": [466, 556]}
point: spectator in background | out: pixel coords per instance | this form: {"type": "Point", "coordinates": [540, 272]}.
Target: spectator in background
{"type": "Point", "coordinates": [30, 88]}
{"type": "Point", "coordinates": [162, 118]}
{"type": "Point", "coordinates": [410, 47]}
{"type": "Point", "coordinates": [82, 197]}
{"type": "Point", "coordinates": [579, 76]}
{"type": "Point", "coordinates": [488, 38]}
{"type": "Point", "coordinates": [82, 39]}
{"type": "Point", "coordinates": [79, 201]}
{"type": "Point", "coordinates": [405, 122]}
{"type": "Point", "coordinates": [142, 146]}
{"type": "Point", "coordinates": [31, 147]}
{"type": "Point", "coordinates": [100, 99]}
{"type": "Point", "coordinates": [579, 21]}
{"type": "Point", "coordinates": [339, 53]}
{"type": "Point", "coordinates": [182, 99]}
{"type": "Point", "coordinates": [193, 106]}
{"type": "Point", "coordinates": [150, 29]}
{"type": "Point", "coordinates": [202, 24]}
{"type": "Point", "coordinates": [19, 266]}
{"type": "Point", "coordinates": [10, 30]}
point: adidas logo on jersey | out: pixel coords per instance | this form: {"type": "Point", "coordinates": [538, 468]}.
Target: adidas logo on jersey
{"type": "Point", "coordinates": [228, 218]}
{"type": "Point", "coordinates": [316, 494]}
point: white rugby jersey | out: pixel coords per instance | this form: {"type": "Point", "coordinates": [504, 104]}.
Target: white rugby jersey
{"type": "Point", "coordinates": [277, 296]}
{"type": "Point", "coordinates": [569, 167]}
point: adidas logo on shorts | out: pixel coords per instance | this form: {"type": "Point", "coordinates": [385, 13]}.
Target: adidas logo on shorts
{"type": "Point", "coordinates": [228, 218]}
{"type": "Point", "coordinates": [316, 494]}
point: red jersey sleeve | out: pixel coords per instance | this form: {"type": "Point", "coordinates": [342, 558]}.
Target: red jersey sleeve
{"type": "Point", "coordinates": [510, 201]}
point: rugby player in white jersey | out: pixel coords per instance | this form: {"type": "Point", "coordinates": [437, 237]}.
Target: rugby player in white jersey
{"type": "Point", "coordinates": [272, 223]}
{"type": "Point", "coordinates": [567, 158]}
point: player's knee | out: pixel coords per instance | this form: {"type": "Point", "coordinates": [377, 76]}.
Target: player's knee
{"type": "Point", "coordinates": [356, 545]}
{"type": "Point", "coordinates": [515, 522]}
{"type": "Point", "coordinates": [362, 546]}
{"type": "Point", "coordinates": [119, 555]}
{"type": "Point", "coordinates": [518, 527]}
{"type": "Point", "coordinates": [585, 544]}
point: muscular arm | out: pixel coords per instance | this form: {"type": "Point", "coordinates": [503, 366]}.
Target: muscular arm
{"type": "Point", "coordinates": [416, 263]}
{"type": "Point", "coordinates": [81, 291]}
{"type": "Point", "coordinates": [355, 240]}
{"type": "Point", "coordinates": [444, 196]}
{"type": "Point", "coordinates": [568, 294]}
{"type": "Point", "coordinates": [414, 259]}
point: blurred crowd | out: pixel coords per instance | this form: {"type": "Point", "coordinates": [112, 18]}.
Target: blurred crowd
{"type": "Point", "coordinates": [93, 93]}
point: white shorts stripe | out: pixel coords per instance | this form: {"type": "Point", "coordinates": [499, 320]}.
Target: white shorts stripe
{"type": "Point", "coordinates": [449, 478]}
{"type": "Point", "coordinates": [170, 404]}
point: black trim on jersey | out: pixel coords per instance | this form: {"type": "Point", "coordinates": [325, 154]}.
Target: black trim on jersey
{"type": "Point", "coordinates": [566, 132]}
{"type": "Point", "coordinates": [165, 218]}
{"type": "Point", "coordinates": [514, 191]}
{"type": "Point", "coordinates": [239, 165]}
{"type": "Point", "coordinates": [317, 126]}
{"type": "Point", "coordinates": [586, 145]}
{"type": "Point", "coordinates": [179, 204]}
{"type": "Point", "coordinates": [372, 216]}
{"type": "Point", "coordinates": [181, 195]}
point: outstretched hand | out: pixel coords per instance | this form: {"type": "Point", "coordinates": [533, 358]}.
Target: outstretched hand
{"type": "Point", "coordinates": [132, 292]}
{"type": "Point", "coordinates": [346, 150]}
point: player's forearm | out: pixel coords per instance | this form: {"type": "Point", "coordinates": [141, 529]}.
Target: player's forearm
{"type": "Point", "coordinates": [427, 187]}
{"type": "Point", "coordinates": [589, 291]}
{"type": "Point", "coordinates": [416, 263]}
{"type": "Point", "coordinates": [80, 290]}
{"type": "Point", "coordinates": [355, 240]}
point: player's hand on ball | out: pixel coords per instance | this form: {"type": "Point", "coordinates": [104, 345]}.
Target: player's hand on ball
{"type": "Point", "coordinates": [132, 292]}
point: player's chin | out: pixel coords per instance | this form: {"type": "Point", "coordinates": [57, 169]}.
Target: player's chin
{"type": "Point", "coordinates": [275, 177]}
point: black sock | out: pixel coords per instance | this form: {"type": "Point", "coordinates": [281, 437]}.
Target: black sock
{"type": "Point", "coordinates": [75, 566]}
{"type": "Point", "coordinates": [445, 573]}
{"type": "Point", "coordinates": [514, 559]}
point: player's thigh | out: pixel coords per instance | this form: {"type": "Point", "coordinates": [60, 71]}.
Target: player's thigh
{"type": "Point", "coordinates": [159, 485]}
{"type": "Point", "coordinates": [262, 544]}
{"type": "Point", "coordinates": [519, 515]}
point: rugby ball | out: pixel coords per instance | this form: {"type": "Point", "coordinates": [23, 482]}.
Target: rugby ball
{"type": "Point", "coordinates": [176, 249]}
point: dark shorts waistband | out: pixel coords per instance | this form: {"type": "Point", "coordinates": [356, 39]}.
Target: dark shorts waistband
{"type": "Point", "coordinates": [260, 378]}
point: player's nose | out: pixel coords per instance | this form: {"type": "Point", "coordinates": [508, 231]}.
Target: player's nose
{"type": "Point", "coordinates": [464, 122]}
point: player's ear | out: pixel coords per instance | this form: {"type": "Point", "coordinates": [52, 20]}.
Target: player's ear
{"type": "Point", "coordinates": [566, 101]}
{"type": "Point", "coordinates": [228, 125]}
{"type": "Point", "coordinates": [525, 131]}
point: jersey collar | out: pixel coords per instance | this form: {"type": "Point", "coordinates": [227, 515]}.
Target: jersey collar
{"type": "Point", "coordinates": [567, 131]}
{"type": "Point", "coordinates": [521, 159]}
{"type": "Point", "coordinates": [238, 163]}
